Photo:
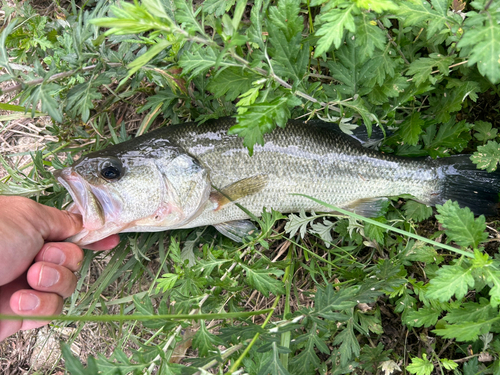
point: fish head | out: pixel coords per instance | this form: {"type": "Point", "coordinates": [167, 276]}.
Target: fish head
{"type": "Point", "coordinates": [143, 189]}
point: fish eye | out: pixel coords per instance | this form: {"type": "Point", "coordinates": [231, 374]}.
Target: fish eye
{"type": "Point", "coordinates": [111, 169]}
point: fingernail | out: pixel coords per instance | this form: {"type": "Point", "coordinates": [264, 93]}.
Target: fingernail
{"type": "Point", "coordinates": [28, 301]}
{"type": "Point", "coordinates": [54, 255]}
{"type": "Point", "coordinates": [48, 276]}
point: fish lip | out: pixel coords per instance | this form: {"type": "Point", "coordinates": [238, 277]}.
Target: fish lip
{"type": "Point", "coordinates": [65, 177]}
{"type": "Point", "coordinates": [82, 196]}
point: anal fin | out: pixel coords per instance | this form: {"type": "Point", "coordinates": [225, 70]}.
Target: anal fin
{"type": "Point", "coordinates": [236, 230]}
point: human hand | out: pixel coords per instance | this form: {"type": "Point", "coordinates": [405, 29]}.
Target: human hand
{"type": "Point", "coordinates": [36, 268]}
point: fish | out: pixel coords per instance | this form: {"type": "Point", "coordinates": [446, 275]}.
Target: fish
{"type": "Point", "coordinates": [191, 175]}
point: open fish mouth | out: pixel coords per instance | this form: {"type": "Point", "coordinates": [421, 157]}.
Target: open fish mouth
{"type": "Point", "coordinates": [85, 202]}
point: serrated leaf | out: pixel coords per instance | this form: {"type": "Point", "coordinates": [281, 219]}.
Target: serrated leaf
{"type": "Point", "coordinates": [450, 281]}
{"type": "Point", "coordinates": [73, 364]}
{"type": "Point", "coordinates": [307, 360]}
{"type": "Point", "coordinates": [374, 232]}
{"type": "Point", "coordinates": [349, 345]}
{"type": "Point", "coordinates": [417, 211]}
{"type": "Point", "coordinates": [205, 341]}
{"type": "Point", "coordinates": [377, 6]}
{"type": "Point", "coordinates": [324, 231]}
{"type": "Point", "coordinates": [368, 35]}
{"type": "Point", "coordinates": [422, 68]}
{"type": "Point", "coordinates": [425, 316]}
{"type": "Point", "coordinates": [298, 223]}
{"type": "Point", "coordinates": [468, 331]}
{"type": "Point", "coordinates": [411, 128]}
{"type": "Point", "coordinates": [259, 119]}
{"type": "Point", "coordinates": [448, 364]}
{"type": "Point", "coordinates": [80, 97]}
{"type": "Point", "coordinates": [232, 82]}
{"type": "Point", "coordinates": [262, 280]}
{"type": "Point", "coordinates": [471, 312]}
{"type": "Point", "coordinates": [485, 42]}
{"type": "Point", "coordinates": [420, 366]}
{"type": "Point", "coordinates": [487, 156]}
{"type": "Point", "coordinates": [449, 135]}
{"type": "Point", "coordinates": [460, 225]}
{"type": "Point", "coordinates": [420, 13]}
{"type": "Point", "coordinates": [166, 281]}
{"type": "Point", "coordinates": [217, 7]}
{"type": "Point", "coordinates": [332, 27]}
{"type": "Point", "coordinates": [484, 131]}
{"type": "Point", "coordinates": [289, 55]}
{"type": "Point", "coordinates": [421, 253]}
{"type": "Point", "coordinates": [328, 300]}
{"type": "Point", "coordinates": [198, 61]}
{"type": "Point", "coordinates": [274, 365]}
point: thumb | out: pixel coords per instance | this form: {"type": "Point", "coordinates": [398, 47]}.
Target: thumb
{"type": "Point", "coordinates": [51, 223]}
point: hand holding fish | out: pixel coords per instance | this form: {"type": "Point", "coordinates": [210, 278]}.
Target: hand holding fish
{"type": "Point", "coordinates": [36, 270]}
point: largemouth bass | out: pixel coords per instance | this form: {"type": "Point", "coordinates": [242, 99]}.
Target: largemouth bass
{"type": "Point", "coordinates": [190, 175]}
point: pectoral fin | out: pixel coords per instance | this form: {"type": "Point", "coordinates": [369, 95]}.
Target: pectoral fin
{"type": "Point", "coordinates": [368, 207]}
{"type": "Point", "coordinates": [239, 189]}
{"type": "Point", "coordinates": [236, 230]}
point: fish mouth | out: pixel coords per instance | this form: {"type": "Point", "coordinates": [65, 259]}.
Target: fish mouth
{"type": "Point", "coordinates": [85, 202]}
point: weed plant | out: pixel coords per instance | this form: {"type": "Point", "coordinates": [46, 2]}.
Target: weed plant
{"type": "Point", "coordinates": [312, 293]}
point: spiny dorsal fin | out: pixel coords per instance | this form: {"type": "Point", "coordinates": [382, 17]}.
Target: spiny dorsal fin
{"type": "Point", "coordinates": [239, 189]}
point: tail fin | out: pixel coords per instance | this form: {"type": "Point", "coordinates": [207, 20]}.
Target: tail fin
{"type": "Point", "coordinates": [469, 186]}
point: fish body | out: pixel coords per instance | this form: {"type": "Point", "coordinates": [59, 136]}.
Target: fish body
{"type": "Point", "coordinates": [188, 175]}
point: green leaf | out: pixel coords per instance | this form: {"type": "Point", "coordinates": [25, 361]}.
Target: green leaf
{"type": "Point", "coordinates": [368, 35]}
{"type": "Point", "coordinates": [420, 366]}
{"type": "Point", "coordinates": [73, 364]}
{"type": "Point", "coordinates": [448, 364]}
{"type": "Point", "coordinates": [198, 61]}
{"type": "Point", "coordinates": [460, 225]}
{"type": "Point", "coordinates": [375, 232]}
{"type": "Point", "coordinates": [487, 157]}
{"type": "Point", "coordinates": [450, 281]}
{"type": "Point", "coordinates": [231, 82]}
{"type": "Point", "coordinates": [205, 341]}
{"type": "Point", "coordinates": [274, 365]}
{"type": "Point", "coordinates": [425, 316]}
{"type": "Point", "coordinates": [261, 279]}
{"type": "Point", "coordinates": [298, 223]}
{"type": "Point", "coordinates": [307, 360]}
{"type": "Point", "coordinates": [468, 331]}
{"type": "Point", "coordinates": [184, 15]}
{"type": "Point", "coordinates": [324, 231]}
{"type": "Point", "coordinates": [472, 312]}
{"type": "Point", "coordinates": [289, 56]}
{"type": "Point", "coordinates": [484, 131]}
{"type": "Point", "coordinates": [217, 7]}
{"type": "Point", "coordinates": [484, 38]}
{"type": "Point", "coordinates": [421, 14]}
{"type": "Point", "coordinates": [349, 345]}
{"type": "Point", "coordinates": [80, 97]}
{"type": "Point", "coordinates": [46, 94]}
{"type": "Point", "coordinates": [377, 6]}
{"type": "Point", "coordinates": [332, 27]}
{"type": "Point", "coordinates": [450, 135]}
{"type": "Point", "coordinates": [411, 128]}
{"type": "Point", "coordinates": [417, 251]}
{"type": "Point", "coordinates": [259, 119]}
{"type": "Point", "coordinates": [422, 68]}
{"type": "Point", "coordinates": [417, 211]}
{"type": "Point", "coordinates": [166, 281]}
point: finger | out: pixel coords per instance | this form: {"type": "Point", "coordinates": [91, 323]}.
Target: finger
{"type": "Point", "coordinates": [9, 327]}
{"type": "Point", "coordinates": [51, 223]}
{"type": "Point", "coordinates": [28, 302]}
{"type": "Point", "coordinates": [64, 254]}
{"type": "Point", "coordinates": [105, 244]}
{"type": "Point", "coordinates": [52, 278]}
